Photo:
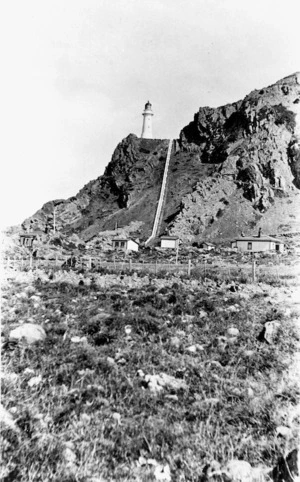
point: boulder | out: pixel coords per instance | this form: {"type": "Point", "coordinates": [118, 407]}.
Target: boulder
{"type": "Point", "coordinates": [29, 332]}
{"type": "Point", "coordinates": [269, 332]}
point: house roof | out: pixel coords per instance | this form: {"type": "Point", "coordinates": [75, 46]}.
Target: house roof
{"type": "Point", "coordinates": [125, 239]}
{"type": "Point", "coordinates": [28, 235]}
{"type": "Point", "coordinates": [169, 237]}
{"type": "Point", "coordinates": [259, 238]}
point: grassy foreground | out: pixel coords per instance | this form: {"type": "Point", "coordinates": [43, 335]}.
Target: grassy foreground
{"type": "Point", "coordinates": [142, 378]}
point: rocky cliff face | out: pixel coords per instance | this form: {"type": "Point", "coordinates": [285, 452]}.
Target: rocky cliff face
{"type": "Point", "coordinates": [234, 168]}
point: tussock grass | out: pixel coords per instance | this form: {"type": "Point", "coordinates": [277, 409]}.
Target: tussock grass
{"type": "Point", "coordinates": [92, 416]}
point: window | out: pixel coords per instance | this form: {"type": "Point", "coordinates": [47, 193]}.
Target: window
{"type": "Point", "coordinates": [249, 246]}
{"type": "Point", "coordinates": [122, 244]}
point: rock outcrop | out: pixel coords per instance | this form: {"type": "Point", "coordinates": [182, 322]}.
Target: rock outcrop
{"type": "Point", "coordinates": [234, 168]}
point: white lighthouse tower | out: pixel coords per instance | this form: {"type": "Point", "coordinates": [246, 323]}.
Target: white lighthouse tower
{"type": "Point", "coordinates": [147, 122]}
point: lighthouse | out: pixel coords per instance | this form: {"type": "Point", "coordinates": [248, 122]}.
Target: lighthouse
{"type": "Point", "coordinates": [147, 122]}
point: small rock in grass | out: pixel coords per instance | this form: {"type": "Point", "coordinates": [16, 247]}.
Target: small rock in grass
{"type": "Point", "coordinates": [34, 381]}
{"type": "Point", "coordinates": [7, 420]}
{"type": "Point", "coordinates": [249, 353]}
{"type": "Point", "coordinates": [192, 349]}
{"type": "Point", "coordinates": [117, 417]}
{"type": "Point", "coordinates": [238, 471]}
{"type": "Point", "coordinates": [110, 360]}
{"type": "Point", "coordinates": [269, 332]}
{"type": "Point", "coordinates": [29, 332]}
{"type": "Point", "coordinates": [202, 314]}
{"type": "Point", "coordinates": [69, 456]}
{"type": "Point", "coordinates": [128, 329]}
{"type": "Point", "coordinates": [162, 473]}
{"type": "Point", "coordinates": [175, 341]}
{"type": "Point", "coordinates": [79, 339]}
{"type": "Point", "coordinates": [283, 431]}
{"type": "Point", "coordinates": [233, 332]}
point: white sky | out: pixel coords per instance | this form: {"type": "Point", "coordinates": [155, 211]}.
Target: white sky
{"type": "Point", "coordinates": [80, 71]}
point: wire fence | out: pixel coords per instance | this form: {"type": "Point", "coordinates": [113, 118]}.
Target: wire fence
{"type": "Point", "coordinates": [251, 271]}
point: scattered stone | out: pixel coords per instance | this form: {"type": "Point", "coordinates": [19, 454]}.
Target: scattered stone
{"type": "Point", "coordinates": [7, 420]}
{"type": "Point", "coordinates": [162, 473]}
{"type": "Point", "coordinates": [283, 431]}
{"type": "Point", "coordinates": [175, 341]}
{"type": "Point", "coordinates": [269, 332]}
{"type": "Point", "coordinates": [156, 383]}
{"type": "Point", "coordinates": [34, 381]}
{"type": "Point", "coordinates": [79, 339]}
{"type": "Point", "coordinates": [233, 332]}
{"type": "Point", "coordinates": [288, 468]}
{"type": "Point", "coordinates": [117, 417]}
{"type": "Point", "coordinates": [128, 329]}
{"type": "Point", "coordinates": [110, 360]}
{"type": "Point", "coordinates": [239, 471]}
{"type": "Point", "coordinates": [29, 332]}
{"type": "Point", "coordinates": [249, 353]}
{"type": "Point", "coordinates": [202, 314]}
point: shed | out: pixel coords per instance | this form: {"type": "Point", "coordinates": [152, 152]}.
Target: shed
{"type": "Point", "coordinates": [26, 239]}
{"type": "Point", "coordinates": [169, 242]}
{"type": "Point", "coordinates": [258, 243]}
{"type": "Point", "coordinates": [125, 244]}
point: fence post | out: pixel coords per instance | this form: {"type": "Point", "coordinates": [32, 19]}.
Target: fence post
{"type": "Point", "coordinates": [253, 270]}
{"type": "Point", "coordinates": [130, 264]}
{"type": "Point", "coordinates": [156, 266]}
{"type": "Point", "coordinates": [189, 267]}
{"type": "Point", "coordinates": [90, 262]}
{"type": "Point", "coordinates": [205, 271]}
{"type": "Point", "coordinates": [30, 262]}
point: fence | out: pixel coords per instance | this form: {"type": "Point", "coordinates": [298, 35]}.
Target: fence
{"type": "Point", "coordinates": [249, 271]}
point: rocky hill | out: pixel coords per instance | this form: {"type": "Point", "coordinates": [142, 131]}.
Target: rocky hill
{"type": "Point", "coordinates": [233, 169]}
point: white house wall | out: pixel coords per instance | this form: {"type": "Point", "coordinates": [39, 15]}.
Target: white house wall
{"type": "Point", "coordinates": [256, 246]}
{"type": "Point", "coordinates": [132, 246]}
{"type": "Point", "coordinates": [168, 243]}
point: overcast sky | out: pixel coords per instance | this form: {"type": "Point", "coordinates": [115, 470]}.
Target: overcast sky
{"type": "Point", "coordinates": [80, 72]}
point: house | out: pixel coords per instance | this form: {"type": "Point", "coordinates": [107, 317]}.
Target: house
{"type": "Point", "coordinates": [258, 243]}
{"type": "Point", "coordinates": [169, 242]}
{"type": "Point", "coordinates": [206, 245]}
{"type": "Point", "coordinates": [125, 244]}
{"type": "Point", "coordinates": [26, 239]}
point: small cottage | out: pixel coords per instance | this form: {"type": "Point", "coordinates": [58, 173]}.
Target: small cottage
{"type": "Point", "coordinates": [26, 239]}
{"type": "Point", "coordinates": [257, 244]}
{"type": "Point", "coordinates": [125, 244]}
{"type": "Point", "coordinates": [169, 242]}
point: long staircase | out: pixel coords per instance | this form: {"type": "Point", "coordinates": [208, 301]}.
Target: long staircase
{"type": "Point", "coordinates": [161, 197]}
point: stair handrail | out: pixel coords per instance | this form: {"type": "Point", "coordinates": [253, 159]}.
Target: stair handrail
{"type": "Point", "coordinates": [162, 193]}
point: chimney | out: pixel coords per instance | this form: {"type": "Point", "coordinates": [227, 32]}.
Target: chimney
{"type": "Point", "coordinates": [259, 232]}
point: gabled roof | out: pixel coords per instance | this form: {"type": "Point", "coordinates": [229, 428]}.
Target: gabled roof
{"type": "Point", "coordinates": [125, 239]}
{"type": "Point", "coordinates": [259, 238]}
{"type": "Point", "coordinates": [28, 235]}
